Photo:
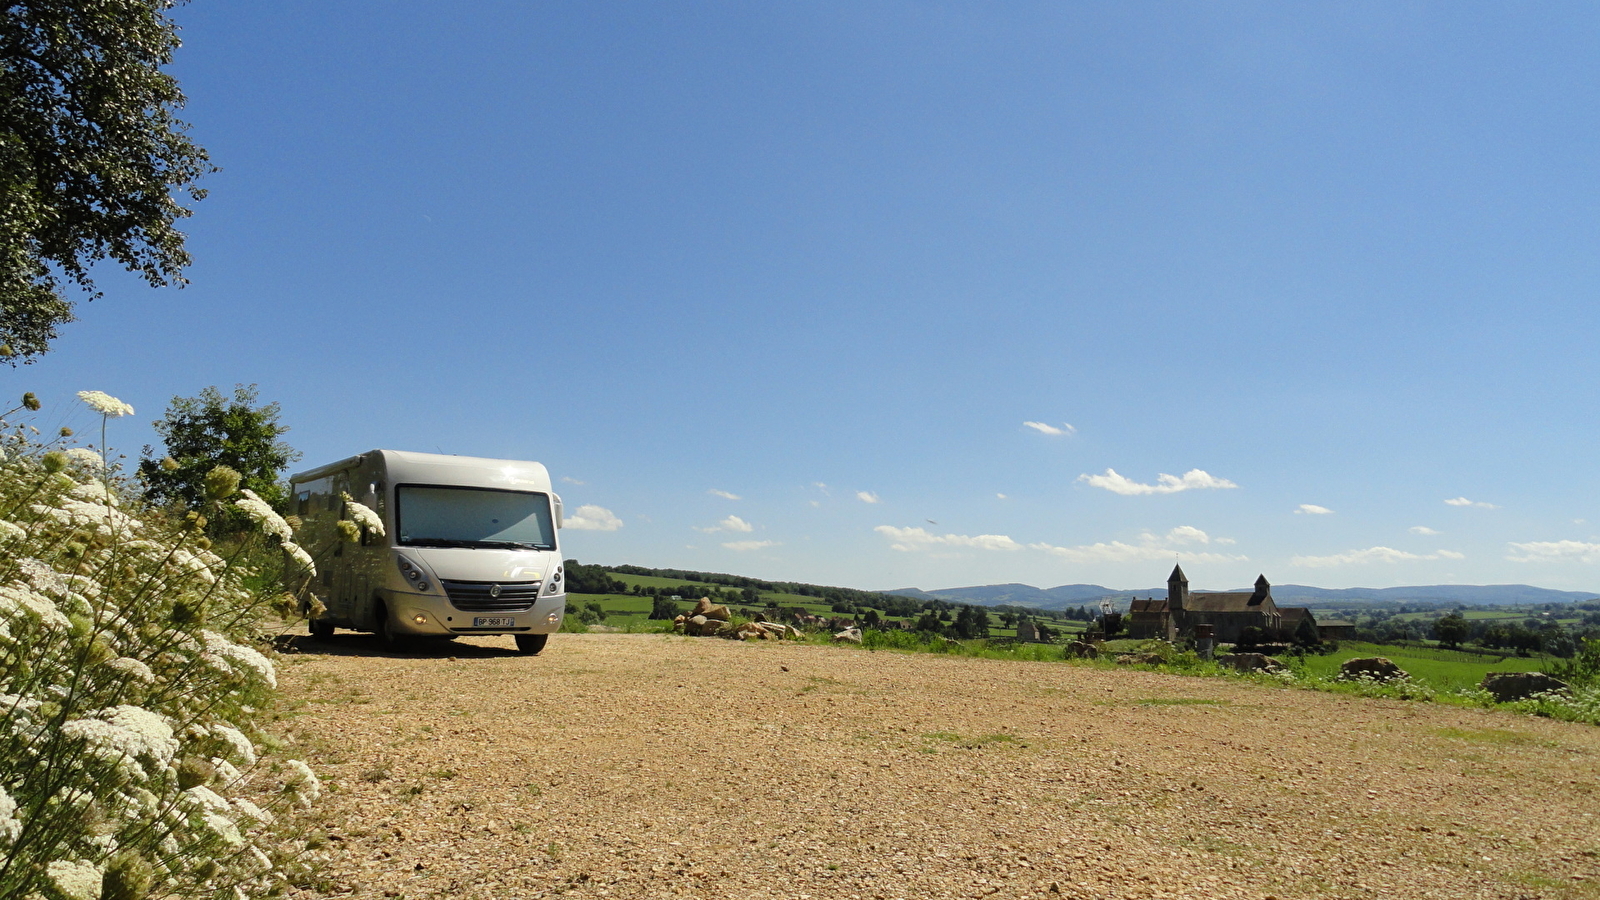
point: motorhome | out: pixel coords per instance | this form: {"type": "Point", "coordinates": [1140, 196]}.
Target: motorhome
{"type": "Point", "coordinates": [469, 547]}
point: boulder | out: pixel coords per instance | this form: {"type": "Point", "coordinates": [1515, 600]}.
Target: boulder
{"type": "Point", "coordinates": [1251, 662]}
{"type": "Point", "coordinates": [704, 607]}
{"type": "Point", "coordinates": [1374, 668]}
{"type": "Point", "coordinates": [700, 625]}
{"type": "Point", "coordinates": [1508, 686]}
{"type": "Point", "coordinates": [852, 635]}
{"type": "Point", "coordinates": [1080, 650]}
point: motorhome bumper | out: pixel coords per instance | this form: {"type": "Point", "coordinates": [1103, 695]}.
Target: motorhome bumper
{"type": "Point", "coordinates": [423, 615]}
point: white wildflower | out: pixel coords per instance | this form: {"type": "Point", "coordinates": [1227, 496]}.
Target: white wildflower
{"type": "Point", "coordinates": [133, 668]}
{"type": "Point", "coordinates": [11, 531]}
{"type": "Point", "coordinates": [207, 799]}
{"type": "Point", "coordinates": [227, 774]}
{"type": "Point", "coordinates": [126, 732]}
{"type": "Point", "coordinates": [194, 564]}
{"type": "Point", "coordinates": [224, 828]}
{"type": "Point", "coordinates": [76, 880]}
{"type": "Point", "coordinates": [94, 492]}
{"type": "Point", "coordinates": [42, 576]}
{"type": "Point", "coordinates": [364, 516]}
{"type": "Point", "coordinates": [86, 456]}
{"type": "Point", "coordinates": [300, 557]}
{"type": "Point", "coordinates": [105, 404]}
{"type": "Point", "coordinates": [34, 604]}
{"type": "Point", "coordinates": [218, 646]}
{"type": "Point", "coordinates": [251, 810]}
{"type": "Point", "coordinates": [243, 750]}
{"type": "Point", "coordinates": [264, 515]}
{"type": "Point", "coordinates": [303, 783]}
{"type": "Point", "coordinates": [10, 825]}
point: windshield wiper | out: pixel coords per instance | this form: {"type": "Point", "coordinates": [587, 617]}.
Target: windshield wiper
{"type": "Point", "coordinates": [461, 542]}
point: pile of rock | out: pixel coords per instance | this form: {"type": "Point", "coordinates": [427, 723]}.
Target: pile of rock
{"type": "Point", "coordinates": [708, 619]}
{"type": "Point", "coordinates": [1252, 662]}
{"type": "Point", "coordinates": [1371, 668]}
{"type": "Point", "coordinates": [1508, 686]}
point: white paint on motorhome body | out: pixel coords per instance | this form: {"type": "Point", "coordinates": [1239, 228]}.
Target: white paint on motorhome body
{"type": "Point", "coordinates": [417, 583]}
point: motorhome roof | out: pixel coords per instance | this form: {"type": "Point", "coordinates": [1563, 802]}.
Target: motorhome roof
{"type": "Point", "coordinates": [439, 468]}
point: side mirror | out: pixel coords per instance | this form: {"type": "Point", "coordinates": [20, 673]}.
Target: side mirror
{"type": "Point", "coordinates": [557, 499]}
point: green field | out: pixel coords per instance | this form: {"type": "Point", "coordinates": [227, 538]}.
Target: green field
{"type": "Point", "coordinates": [1445, 670]}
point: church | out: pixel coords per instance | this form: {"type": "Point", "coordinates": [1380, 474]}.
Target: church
{"type": "Point", "coordinates": [1227, 613]}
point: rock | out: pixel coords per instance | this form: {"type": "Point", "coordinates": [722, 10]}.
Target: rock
{"type": "Point", "coordinates": [1252, 662]}
{"type": "Point", "coordinates": [704, 607]}
{"type": "Point", "coordinates": [1139, 659]}
{"type": "Point", "coordinates": [1508, 686]}
{"type": "Point", "coordinates": [1080, 650]}
{"type": "Point", "coordinates": [1375, 668]}
{"type": "Point", "coordinates": [852, 635]}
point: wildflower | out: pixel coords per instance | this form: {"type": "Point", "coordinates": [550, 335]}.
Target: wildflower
{"type": "Point", "coordinates": [364, 516]}
{"type": "Point", "coordinates": [223, 827]}
{"type": "Point", "coordinates": [66, 431]}
{"type": "Point", "coordinates": [220, 648]}
{"type": "Point", "coordinates": [133, 668]}
{"type": "Point", "coordinates": [36, 605]}
{"type": "Point", "coordinates": [105, 404]}
{"type": "Point", "coordinates": [226, 772]}
{"type": "Point", "coordinates": [349, 530]}
{"type": "Point", "coordinates": [10, 531]}
{"type": "Point", "coordinates": [264, 515]}
{"type": "Point", "coordinates": [243, 750]}
{"type": "Point", "coordinates": [126, 731]}
{"type": "Point", "coordinates": [251, 810]}
{"type": "Point", "coordinates": [76, 880]}
{"type": "Point", "coordinates": [207, 799]}
{"type": "Point", "coordinates": [94, 492]}
{"type": "Point", "coordinates": [85, 455]}
{"type": "Point", "coordinates": [221, 482]}
{"type": "Point", "coordinates": [54, 461]}
{"type": "Point", "coordinates": [168, 464]}
{"type": "Point", "coordinates": [303, 783]}
{"type": "Point", "coordinates": [10, 825]}
{"type": "Point", "coordinates": [300, 556]}
{"type": "Point", "coordinates": [30, 401]}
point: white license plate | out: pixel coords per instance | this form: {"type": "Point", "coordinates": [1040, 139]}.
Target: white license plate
{"type": "Point", "coordinates": [493, 622]}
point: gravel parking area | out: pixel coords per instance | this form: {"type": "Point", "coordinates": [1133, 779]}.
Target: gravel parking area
{"type": "Point", "coordinates": [619, 765]}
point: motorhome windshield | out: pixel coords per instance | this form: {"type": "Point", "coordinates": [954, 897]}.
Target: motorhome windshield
{"type": "Point", "coordinates": [430, 515]}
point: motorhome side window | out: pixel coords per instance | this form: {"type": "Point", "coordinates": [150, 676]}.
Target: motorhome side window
{"type": "Point", "coordinates": [441, 516]}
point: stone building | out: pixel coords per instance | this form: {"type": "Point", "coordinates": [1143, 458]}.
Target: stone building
{"type": "Point", "coordinates": [1228, 613]}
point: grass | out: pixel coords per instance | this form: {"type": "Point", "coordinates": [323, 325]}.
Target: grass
{"type": "Point", "coordinates": [1442, 670]}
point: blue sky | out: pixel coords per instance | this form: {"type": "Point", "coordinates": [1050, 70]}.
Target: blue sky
{"type": "Point", "coordinates": [777, 289]}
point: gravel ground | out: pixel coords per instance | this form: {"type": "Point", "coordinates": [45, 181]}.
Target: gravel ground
{"type": "Point", "coordinates": [622, 765]}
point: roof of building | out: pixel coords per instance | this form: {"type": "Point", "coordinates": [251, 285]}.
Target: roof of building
{"type": "Point", "coordinates": [1239, 601]}
{"type": "Point", "coordinates": [1148, 605]}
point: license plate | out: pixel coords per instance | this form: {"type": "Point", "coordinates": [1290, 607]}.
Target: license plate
{"type": "Point", "coordinates": [493, 622]}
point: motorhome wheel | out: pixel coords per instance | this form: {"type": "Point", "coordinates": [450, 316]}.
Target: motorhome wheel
{"type": "Point", "coordinates": [319, 629]}
{"type": "Point", "coordinates": [531, 644]}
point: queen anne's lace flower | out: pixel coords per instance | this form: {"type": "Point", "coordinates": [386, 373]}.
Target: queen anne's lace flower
{"type": "Point", "coordinates": [303, 783]}
{"type": "Point", "coordinates": [300, 557]}
{"type": "Point", "coordinates": [105, 404]}
{"type": "Point", "coordinates": [264, 515]}
{"type": "Point", "coordinates": [126, 732]}
{"type": "Point", "coordinates": [76, 880]}
{"type": "Point", "coordinates": [86, 456]}
{"type": "Point", "coordinates": [219, 648]}
{"type": "Point", "coordinates": [18, 599]}
{"type": "Point", "coordinates": [364, 516]}
{"type": "Point", "coordinates": [11, 531]}
{"type": "Point", "coordinates": [10, 825]}
{"type": "Point", "coordinates": [243, 750]}
{"type": "Point", "coordinates": [133, 668]}
{"type": "Point", "coordinates": [94, 492]}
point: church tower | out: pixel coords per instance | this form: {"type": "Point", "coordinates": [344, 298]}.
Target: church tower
{"type": "Point", "coordinates": [1177, 589]}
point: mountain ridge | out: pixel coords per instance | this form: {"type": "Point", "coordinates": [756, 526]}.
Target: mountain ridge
{"type": "Point", "coordinates": [1068, 595]}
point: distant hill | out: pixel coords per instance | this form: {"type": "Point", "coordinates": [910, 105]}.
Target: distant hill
{"type": "Point", "coordinates": [1079, 594]}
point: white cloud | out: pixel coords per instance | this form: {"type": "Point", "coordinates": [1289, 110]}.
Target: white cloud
{"type": "Point", "coordinates": [1462, 501]}
{"type": "Point", "coordinates": [570, 480]}
{"type": "Point", "coordinates": [1192, 480]}
{"type": "Point", "coordinates": [1117, 551]}
{"type": "Point", "coordinates": [723, 494]}
{"type": "Point", "coordinates": [1371, 555]}
{"type": "Point", "coordinates": [866, 496]}
{"type": "Point", "coordinates": [1000, 496]}
{"type": "Point", "coordinates": [1311, 509]}
{"type": "Point", "coordinates": [731, 523]}
{"type": "Point", "coordinates": [1423, 529]}
{"type": "Point", "coordinates": [820, 486]}
{"type": "Point", "coordinates": [1555, 551]}
{"type": "Point", "coordinates": [911, 539]}
{"type": "Point", "coordinates": [593, 518]}
{"type": "Point", "coordinates": [1043, 428]}
{"type": "Point", "coordinates": [746, 546]}
{"type": "Point", "coordinates": [1186, 534]}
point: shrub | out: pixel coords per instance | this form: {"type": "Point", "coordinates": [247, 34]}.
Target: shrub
{"type": "Point", "coordinates": [129, 694]}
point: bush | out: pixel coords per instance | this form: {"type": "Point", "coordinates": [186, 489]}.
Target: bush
{"type": "Point", "coordinates": [130, 693]}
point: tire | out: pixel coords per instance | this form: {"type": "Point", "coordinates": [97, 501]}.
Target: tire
{"type": "Point", "coordinates": [391, 639]}
{"type": "Point", "coordinates": [319, 629]}
{"type": "Point", "coordinates": [531, 644]}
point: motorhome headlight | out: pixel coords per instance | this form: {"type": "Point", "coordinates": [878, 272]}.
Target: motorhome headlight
{"type": "Point", "coordinates": [412, 573]}
{"type": "Point", "coordinates": [555, 582]}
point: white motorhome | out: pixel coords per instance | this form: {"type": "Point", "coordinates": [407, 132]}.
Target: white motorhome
{"type": "Point", "coordinates": [470, 546]}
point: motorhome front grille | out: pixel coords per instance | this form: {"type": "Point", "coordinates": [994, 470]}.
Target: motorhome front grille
{"type": "Point", "coordinates": [491, 596]}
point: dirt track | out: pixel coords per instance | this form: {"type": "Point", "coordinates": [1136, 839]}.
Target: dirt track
{"type": "Point", "coordinates": [654, 766]}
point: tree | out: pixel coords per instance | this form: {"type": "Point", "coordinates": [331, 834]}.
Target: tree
{"type": "Point", "coordinates": [91, 156]}
{"type": "Point", "coordinates": [1451, 630]}
{"type": "Point", "coordinates": [201, 433]}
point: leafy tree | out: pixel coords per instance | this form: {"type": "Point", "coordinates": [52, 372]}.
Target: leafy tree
{"type": "Point", "coordinates": [1451, 630]}
{"type": "Point", "coordinates": [1112, 624]}
{"type": "Point", "coordinates": [91, 156]}
{"type": "Point", "coordinates": [662, 607]}
{"type": "Point", "coordinates": [201, 433]}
